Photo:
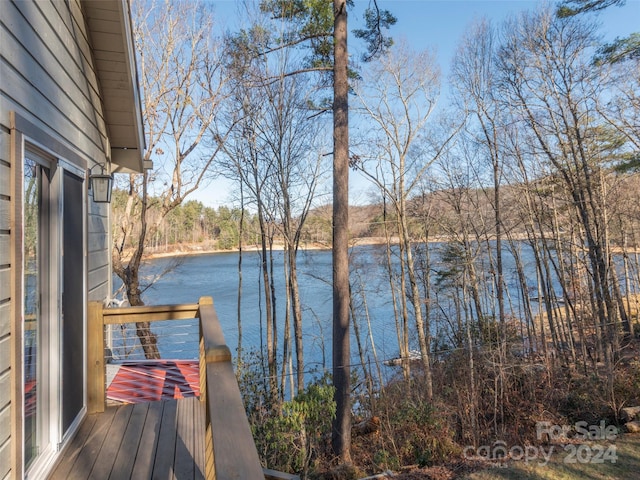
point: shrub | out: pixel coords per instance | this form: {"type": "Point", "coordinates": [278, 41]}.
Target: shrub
{"type": "Point", "coordinates": [289, 436]}
{"type": "Point", "coordinates": [412, 430]}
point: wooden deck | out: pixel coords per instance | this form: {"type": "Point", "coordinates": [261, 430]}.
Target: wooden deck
{"type": "Point", "coordinates": [159, 440]}
{"type": "Point", "coordinates": [186, 438]}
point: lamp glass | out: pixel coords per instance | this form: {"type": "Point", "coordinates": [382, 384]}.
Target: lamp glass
{"type": "Point", "coordinates": [101, 187]}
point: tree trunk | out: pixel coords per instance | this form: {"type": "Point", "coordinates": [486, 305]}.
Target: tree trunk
{"type": "Point", "coordinates": [403, 341]}
{"type": "Point", "coordinates": [240, 245]}
{"type": "Point", "coordinates": [422, 324]}
{"type": "Point", "coordinates": [356, 330]}
{"type": "Point", "coordinates": [296, 308]}
{"type": "Point", "coordinates": [130, 275]}
{"type": "Point", "coordinates": [286, 341]}
{"type": "Point", "coordinates": [341, 434]}
{"type": "Point", "coordinates": [266, 285]}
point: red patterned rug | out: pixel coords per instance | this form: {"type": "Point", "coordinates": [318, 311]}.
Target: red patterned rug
{"type": "Point", "coordinates": [153, 380]}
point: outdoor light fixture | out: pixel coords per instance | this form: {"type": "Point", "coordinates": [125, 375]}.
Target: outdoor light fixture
{"type": "Point", "coordinates": [100, 184]}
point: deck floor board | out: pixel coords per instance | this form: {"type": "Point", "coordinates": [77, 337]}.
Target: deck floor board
{"type": "Point", "coordinates": [74, 448]}
{"type": "Point", "coordinates": [126, 457]}
{"type": "Point", "coordinates": [110, 447]}
{"type": "Point", "coordinates": [184, 440]}
{"type": "Point", "coordinates": [165, 455]}
{"type": "Point", "coordinates": [138, 441]}
{"type": "Point", "coordinates": [86, 458]}
{"type": "Point", "coordinates": [143, 467]}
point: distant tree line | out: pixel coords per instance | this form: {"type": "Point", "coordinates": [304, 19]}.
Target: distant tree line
{"type": "Point", "coordinates": [193, 223]}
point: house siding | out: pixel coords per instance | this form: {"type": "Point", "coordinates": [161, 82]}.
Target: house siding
{"type": "Point", "coordinates": [47, 78]}
{"type": "Point", "coordinates": [5, 297]}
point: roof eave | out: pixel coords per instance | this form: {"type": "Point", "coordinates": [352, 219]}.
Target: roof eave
{"type": "Point", "coordinates": [110, 29]}
{"type": "Point", "coordinates": [124, 158]}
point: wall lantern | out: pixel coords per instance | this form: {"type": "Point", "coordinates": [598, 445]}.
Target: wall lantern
{"type": "Point", "coordinates": [100, 184]}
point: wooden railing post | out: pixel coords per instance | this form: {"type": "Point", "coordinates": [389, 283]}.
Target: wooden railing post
{"type": "Point", "coordinates": [202, 355]}
{"type": "Point", "coordinates": [209, 464]}
{"type": "Point", "coordinates": [95, 359]}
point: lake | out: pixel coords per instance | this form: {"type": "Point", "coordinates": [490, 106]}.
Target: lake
{"type": "Point", "coordinates": [216, 275]}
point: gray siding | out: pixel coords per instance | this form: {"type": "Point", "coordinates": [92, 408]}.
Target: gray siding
{"type": "Point", "coordinates": [98, 252]}
{"type": "Point", "coordinates": [5, 319]}
{"type": "Point", "coordinates": [48, 79]}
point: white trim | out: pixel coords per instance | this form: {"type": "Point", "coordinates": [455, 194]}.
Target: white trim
{"type": "Point", "coordinates": [43, 464]}
{"type": "Point", "coordinates": [17, 320]}
{"type": "Point", "coordinates": [37, 137]}
{"type": "Point", "coordinates": [73, 428]}
{"type": "Point", "coordinates": [73, 168]}
{"type": "Point", "coordinates": [85, 295]}
{"type": "Point", "coordinates": [55, 338]}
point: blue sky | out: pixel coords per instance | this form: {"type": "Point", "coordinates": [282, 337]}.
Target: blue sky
{"type": "Point", "coordinates": [440, 23]}
{"type": "Point", "coordinates": [435, 24]}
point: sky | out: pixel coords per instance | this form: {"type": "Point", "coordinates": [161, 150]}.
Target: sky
{"type": "Point", "coordinates": [437, 24]}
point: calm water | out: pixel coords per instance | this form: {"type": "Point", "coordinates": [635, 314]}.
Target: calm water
{"type": "Point", "coordinates": [216, 275]}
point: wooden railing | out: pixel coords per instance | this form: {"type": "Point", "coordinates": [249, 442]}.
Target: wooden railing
{"type": "Point", "coordinates": [230, 451]}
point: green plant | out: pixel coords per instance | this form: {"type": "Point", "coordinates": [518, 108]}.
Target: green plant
{"type": "Point", "coordinates": [290, 435]}
{"type": "Point", "coordinates": [413, 432]}
{"type": "Point", "coordinates": [383, 459]}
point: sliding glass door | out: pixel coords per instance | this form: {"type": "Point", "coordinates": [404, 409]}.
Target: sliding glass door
{"type": "Point", "coordinates": [54, 306]}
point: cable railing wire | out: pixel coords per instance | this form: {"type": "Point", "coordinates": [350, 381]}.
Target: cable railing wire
{"type": "Point", "coordinates": [132, 378]}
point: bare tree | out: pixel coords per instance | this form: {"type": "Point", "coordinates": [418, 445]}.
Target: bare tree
{"type": "Point", "coordinates": [278, 160]}
{"type": "Point", "coordinates": [551, 88]}
{"type": "Point", "coordinates": [246, 163]}
{"type": "Point", "coordinates": [398, 96]}
{"type": "Point", "coordinates": [473, 74]}
{"type": "Point", "coordinates": [182, 83]}
{"type": "Point", "coordinates": [622, 109]}
{"type": "Point", "coordinates": [289, 138]}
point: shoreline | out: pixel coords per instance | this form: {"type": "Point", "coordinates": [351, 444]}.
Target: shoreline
{"type": "Point", "coordinates": [195, 249]}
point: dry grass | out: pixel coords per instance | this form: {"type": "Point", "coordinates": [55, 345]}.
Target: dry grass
{"type": "Point", "coordinates": [625, 467]}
